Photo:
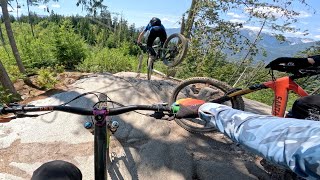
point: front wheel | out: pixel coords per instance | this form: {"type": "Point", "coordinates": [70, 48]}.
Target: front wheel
{"type": "Point", "coordinates": [175, 49]}
{"type": "Point", "coordinates": [206, 89]}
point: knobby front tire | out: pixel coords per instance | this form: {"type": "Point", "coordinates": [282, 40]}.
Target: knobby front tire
{"type": "Point", "coordinates": [206, 89]}
{"type": "Point", "coordinates": [179, 42]}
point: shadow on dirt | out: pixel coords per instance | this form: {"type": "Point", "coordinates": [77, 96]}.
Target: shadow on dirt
{"type": "Point", "coordinates": [143, 147]}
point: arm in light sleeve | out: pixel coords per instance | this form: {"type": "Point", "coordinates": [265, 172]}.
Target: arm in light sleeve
{"type": "Point", "coordinates": [291, 143]}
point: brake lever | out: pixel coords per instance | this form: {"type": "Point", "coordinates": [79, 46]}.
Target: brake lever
{"type": "Point", "coordinates": [162, 116]}
{"type": "Point", "coordinates": [159, 114]}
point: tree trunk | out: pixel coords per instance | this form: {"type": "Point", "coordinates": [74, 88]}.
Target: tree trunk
{"type": "Point", "coordinates": [7, 23]}
{"type": "Point", "coordinates": [6, 82]}
{"type": "Point", "coordinates": [183, 25]}
{"type": "Point", "coordinates": [6, 18]}
{"type": "Point", "coordinates": [30, 22]}
{"type": "Point", "coordinates": [191, 16]}
{"type": "Point", "coordinates": [17, 10]}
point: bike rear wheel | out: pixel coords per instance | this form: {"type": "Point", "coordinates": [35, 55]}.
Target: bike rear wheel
{"type": "Point", "coordinates": [206, 89]}
{"type": "Point", "coordinates": [175, 49]}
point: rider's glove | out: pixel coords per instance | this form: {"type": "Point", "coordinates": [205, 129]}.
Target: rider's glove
{"type": "Point", "coordinates": [186, 108]}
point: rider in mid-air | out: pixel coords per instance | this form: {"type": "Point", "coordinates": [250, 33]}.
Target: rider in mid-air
{"type": "Point", "coordinates": [156, 29]}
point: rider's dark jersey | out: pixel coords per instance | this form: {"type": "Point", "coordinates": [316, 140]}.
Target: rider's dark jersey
{"type": "Point", "coordinates": [155, 31]}
{"type": "Point", "coordinates": [149, 27]}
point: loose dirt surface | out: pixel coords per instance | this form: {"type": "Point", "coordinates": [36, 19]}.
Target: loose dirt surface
{"type": "Point", "coordinates": [64, 79]}
{"type": "Point", "coordinates": [142, 148]}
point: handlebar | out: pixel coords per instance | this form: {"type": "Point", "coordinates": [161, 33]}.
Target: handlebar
{"type": "Point", "coordinates": [20, 110]}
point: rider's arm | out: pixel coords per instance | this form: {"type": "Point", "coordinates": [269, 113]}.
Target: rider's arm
{"type": "Point", "coordinates": [140, 36]}
{"type": "Point", "coordinates": [314, 60]}
{"type": "Point", "coordinates": [143, 32]}
{"type": "Point", "coordinates": [311, 60]}
{"type": "Point", "coordinates": [292, 143]}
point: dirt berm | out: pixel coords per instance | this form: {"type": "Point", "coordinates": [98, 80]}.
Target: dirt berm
{"type": "Point", "coordinates": [142, 148]}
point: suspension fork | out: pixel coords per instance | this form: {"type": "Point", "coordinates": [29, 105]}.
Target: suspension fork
{"type": "Point", "coordinates": [100, 144]}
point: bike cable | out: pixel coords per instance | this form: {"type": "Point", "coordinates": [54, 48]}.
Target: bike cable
{"type": "Point", "coordinates": [75, 98]}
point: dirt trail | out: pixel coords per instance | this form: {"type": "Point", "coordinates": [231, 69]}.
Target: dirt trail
{"type": "Point", "coordinates": [142, 148]}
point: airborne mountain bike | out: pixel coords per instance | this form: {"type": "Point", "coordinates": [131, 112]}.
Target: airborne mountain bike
{"type": "Point", "coordinates": [103, 127]}
{"type": "Point", "coordinates": [212, 90]}
{"type": "Point", "coordinates": [172, 53]}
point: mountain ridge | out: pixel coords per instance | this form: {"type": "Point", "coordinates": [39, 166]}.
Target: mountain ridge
{"type": "Point", "coordinates": [274, 48]}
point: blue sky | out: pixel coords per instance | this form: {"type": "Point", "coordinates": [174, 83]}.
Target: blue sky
{"type": "Point", "coordinates": [139, 12]}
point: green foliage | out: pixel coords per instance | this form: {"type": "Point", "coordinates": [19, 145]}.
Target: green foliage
{"type": "Point", "coordinates": [267, 96]}
{"type": "Point", "coordinates": [36, 52]}
{"type": "Point", "coordinates": [211, 28]}
{"type": "Point", "coordinates": [208, 63]}
{"type": "Point", "coordinates": [130, 49]}
{"type": "Point", "coordinates": [108, 60]}
{"type": "Point", "coordinates": [111, 41]}
{"type": "Point", "coordinates": [47, 78]}
{"type": "Point", "coordinates": [5, 97]}
{"type": "Point", "coordinates": [70, 47]}
{"type": "Point", "coordinates": [59, 68]}
{"type": "Point", "coordinates": [53, 45]}
{"type": "Point", "coordinates": [64, 42]}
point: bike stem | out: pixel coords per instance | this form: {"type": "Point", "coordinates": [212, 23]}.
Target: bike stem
{"type": "Point", "coordinates": [102, 129]}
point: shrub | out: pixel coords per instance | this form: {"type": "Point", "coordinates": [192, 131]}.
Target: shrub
{"type": "Point", "coordinates": [36, 51]}
{"type": "Point", "coordinates": [52, 44]}
{"type": "Point", "coordinates": [47, 78]}
{"type": "Point", "coordinates": [5, 97]}
{"type": "Point", "coordinates": [267, 96]}
{"type": "Point", "coordinates": [108, 60]}
{"type": "Point", "coordinates": [70, 47]}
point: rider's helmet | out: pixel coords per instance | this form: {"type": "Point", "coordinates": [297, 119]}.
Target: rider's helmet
{"type": "Point", "coordinates": [155, 21]}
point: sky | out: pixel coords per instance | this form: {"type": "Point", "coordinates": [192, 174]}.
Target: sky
{"type": "Point", "coordinates": [170, 12]}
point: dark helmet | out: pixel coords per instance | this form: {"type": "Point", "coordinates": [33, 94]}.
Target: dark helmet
{"type": "Point", "coordinates": [155, 21]}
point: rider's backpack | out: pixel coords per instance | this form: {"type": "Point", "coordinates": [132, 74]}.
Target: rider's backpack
{"type": "Point", "coordinates": [155, 22]}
